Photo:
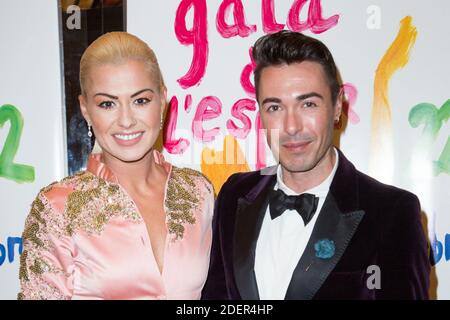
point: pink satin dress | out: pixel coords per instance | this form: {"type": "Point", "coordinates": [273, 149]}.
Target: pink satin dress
{"type": "Point", "coordinates": [84, 238]}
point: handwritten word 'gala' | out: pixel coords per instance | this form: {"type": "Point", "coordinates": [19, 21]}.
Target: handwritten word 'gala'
{"type": "Point", "coordinates": [197, 35]}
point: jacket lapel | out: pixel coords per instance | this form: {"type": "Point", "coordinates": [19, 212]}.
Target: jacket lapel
{"type": "Point", "coordinates": [311, 271]}
{"type": "Point", "coordinates": [337, 221]}
{"type": "Point", "coordinates": [249, 218]}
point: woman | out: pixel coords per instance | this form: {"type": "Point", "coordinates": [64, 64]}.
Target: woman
{"type": "Point", "coordinates": [131, 226]}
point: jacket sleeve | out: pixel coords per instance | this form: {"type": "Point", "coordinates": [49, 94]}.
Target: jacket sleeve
{"type": "Point", "coordinates": [405, 265]}
{"type": "Point", "coordinates": [215, 287]}
{"type": "Point", "coordinates": [46, 263]}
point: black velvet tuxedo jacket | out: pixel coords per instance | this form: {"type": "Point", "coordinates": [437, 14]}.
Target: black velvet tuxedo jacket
{"type": "Point", "coordinates": [370, 223]}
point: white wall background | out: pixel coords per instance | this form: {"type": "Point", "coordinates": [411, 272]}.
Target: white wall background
{"type": "Point", "coordinates": [30, 79]}
{"type": "Point", "coordinates": [357, 50]}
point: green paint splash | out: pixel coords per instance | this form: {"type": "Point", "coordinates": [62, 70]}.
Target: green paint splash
{"type": "Point", "coordinates": [8, 169]}
{"type": "Point", "coordinates": [433, 119]}
{"type": "Point", "coordinates": [443, 164]}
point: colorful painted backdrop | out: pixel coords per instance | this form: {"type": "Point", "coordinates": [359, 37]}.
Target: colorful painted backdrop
{"type": "Point", "coordinates": [393, 57]}
{"type": "Point", "coordinates": [32, 145]}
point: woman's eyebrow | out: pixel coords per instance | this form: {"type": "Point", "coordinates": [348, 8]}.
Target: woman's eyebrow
{"type": "Point", "coordinates": [116, 98]}
{"type": "Point", "coordinates": [106, 95]}
{"type": "Point", "coordinates": [140, 91]}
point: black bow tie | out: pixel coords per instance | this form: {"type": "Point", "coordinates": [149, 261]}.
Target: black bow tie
{"type": "Point", "coordinates": [305, 204]}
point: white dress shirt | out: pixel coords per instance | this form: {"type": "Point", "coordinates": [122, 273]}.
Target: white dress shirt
{"type": "Point", "coordinates": [282, 241]}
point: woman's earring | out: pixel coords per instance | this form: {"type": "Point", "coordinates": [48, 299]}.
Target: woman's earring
{"type": "Point", "coordinates": [161, 123]}
{"type": "Point", "coordinates": [89, 131]}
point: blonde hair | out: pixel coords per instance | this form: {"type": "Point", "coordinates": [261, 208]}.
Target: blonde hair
{"type": "Point", "coordinates": [116, 48]}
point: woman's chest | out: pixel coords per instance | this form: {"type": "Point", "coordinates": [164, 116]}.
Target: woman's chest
{"type": "Point", "coordinates": [119, 263]}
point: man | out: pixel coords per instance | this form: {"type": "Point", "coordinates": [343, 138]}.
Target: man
{"type": "Point", "coordinates": [316, 228]}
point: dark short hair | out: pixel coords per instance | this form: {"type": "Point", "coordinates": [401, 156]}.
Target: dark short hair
{"type": "Point", "coordinates": [287, 47]}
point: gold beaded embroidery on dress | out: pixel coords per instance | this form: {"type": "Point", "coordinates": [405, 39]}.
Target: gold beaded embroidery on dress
{"type": "Point", "coordinates": [91, 203]}
{"type": "Point", "coordinates": [181, 199]}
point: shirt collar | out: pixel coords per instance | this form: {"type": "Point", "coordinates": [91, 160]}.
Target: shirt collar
{"type": "Point", "coordinates": [97, 167]}
{"type": "Point", "coordinates": [320, 190]}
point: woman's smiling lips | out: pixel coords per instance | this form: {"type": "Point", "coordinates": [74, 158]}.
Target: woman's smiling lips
{"type": "Point", "coordinates": [128, 139]}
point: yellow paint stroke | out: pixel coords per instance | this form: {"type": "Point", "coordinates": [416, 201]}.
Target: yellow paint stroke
{"type": "Point", "coordinates": [219, 165]}
{"type": "Point", "coordinates": [395, 58]}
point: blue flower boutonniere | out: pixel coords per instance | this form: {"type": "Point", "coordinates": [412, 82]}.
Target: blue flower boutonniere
{"type": "Point", "coordinates": [325, 248]}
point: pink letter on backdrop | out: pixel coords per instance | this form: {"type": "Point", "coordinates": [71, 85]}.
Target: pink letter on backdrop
{"type": "Point", "coordinates": [197, 37]}
{"type": "Point", "coordinates": [260, 144]}
{"type": "Point", "coordinates": [237, 111]}
{"type": "Point", "coordinates": [172, 145]}
{"type": "Point", "coordinates": [188, 103]}
{"type": "Point", "coordinates": [293, 22]}
{"type": "Point", "coordinates": [269, 23]}
{"type": "Point", "coordinates": [246, 83]}
{"type": "Point", "coordinates": [315, 21]}
{"type": "Point", "coordinates": [240, 27]}
{"type": "Point", "coordinates": [209, 108]}
{"type": "Point", "coordinates": [351, 93]}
